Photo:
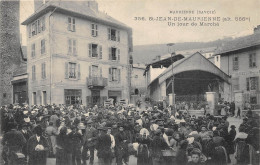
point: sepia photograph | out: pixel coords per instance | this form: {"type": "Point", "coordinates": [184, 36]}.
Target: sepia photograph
{"type": "Point", "coordinates": [129, 82]}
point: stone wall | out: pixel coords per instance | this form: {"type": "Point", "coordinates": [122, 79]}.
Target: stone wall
{"type": "Point", "coordinates": [10, 48]}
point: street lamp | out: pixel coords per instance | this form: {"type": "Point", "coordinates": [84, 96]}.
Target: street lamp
{"type": "Point", "coordinates": [170, 45]}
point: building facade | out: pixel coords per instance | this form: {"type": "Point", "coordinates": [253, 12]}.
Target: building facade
{"type": "Point", "coordinates": [138, 80]}
{"type": "Point", "coordinates": [77, 55]}
{"type": "Point", "coordinates": [240, 59]}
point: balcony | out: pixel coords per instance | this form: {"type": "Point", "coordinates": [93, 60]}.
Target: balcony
{"type": "Point", "coordinates": [96, 82]}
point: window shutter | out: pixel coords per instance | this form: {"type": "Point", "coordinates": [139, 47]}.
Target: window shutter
{"type": "Point", "coordinates": [69, 23]}
{"type": "Point", "coordinates": [109, 33]}
{"type": "Point", "coordinates": [90, 71]}
{"type": "Point", "coordinates": [79, 72]}
{"type": "Point", "coordinates": [74, 24]}
{"type": "Point", "coordinates": [247, 84]}
{"type": "Point", "coordinates": [118, 54]}
{"type": "Point", "coordinates": [100, 71]}
{"type": "Point", "coordinates": [110, 53]}
{"type": "Point", "coordinates": [96, 30]}
{"type": "Point", "coordinates": [42, 71]}
{"type": "Point", "coordinates": [92, 29]}
{"type": "Point", "coordinates": [36, 27]}
{"type": "Point", "coordinates": [250, 60]}
{"type": "Point", "coordinates": [66, 70]}
{"type": "Point", "coordinates": [30, 30]}
{"type": "Point", "coordinates": [118, 36]}
{"type": "Point", "coordinates": [39, 25]}
{"type": "Point", "coordinates": [74, 47]}
{"type": "Point", "coordinates": [119, 75]}
{"type": "Point", "coordinates": [110, 74]}
{"type": "Point", "coordinates": [90, 50]}
{"type": "Point", "coordinates": [100, 52]}
{"type": "Point", "coordinates": [257, 83]}
{"type": "Point", "coordinates": [43, 23]}
{"type": "Point", "coordinates": [69, 46]}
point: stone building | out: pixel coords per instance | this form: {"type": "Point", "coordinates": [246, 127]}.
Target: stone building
{"type": "Point", "coordinates": [77, 55]}
{"type": "Point", "coordinates": [240, 58]}
{"type": "Point", "coordinates": [10, 57]}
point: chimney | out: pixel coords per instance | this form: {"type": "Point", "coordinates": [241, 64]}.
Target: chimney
{"type": "Point", "coordinates": [93, 5]}
{"type": "Point", "coordinates": [257, 29]}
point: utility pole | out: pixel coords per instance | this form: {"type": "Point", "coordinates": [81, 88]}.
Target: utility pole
{"type": "Point", "coordinates": [170, 45]}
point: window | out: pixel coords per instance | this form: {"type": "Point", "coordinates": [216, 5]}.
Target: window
{"type": "Point", "coordinates": [253, 100]}
{"type": "Point", "coordinates": [33, 72]}
{"type": "Point", "coordinates": [72, 47]}
{"type": "Point", "coordinates": [252, 60]}
{"type": "Point", "coordinates": [44, 98]}
{"type": "Point", "coordinates": [114, 54]}
{"type": "Point", "coordinates": [37, 26]}
{"type": "Point", "coordinates": [43, 23]}
{"type": "Point", "coordinates": [73, 96]}
{"type": "Point", "coordinates": [114, 74]}
{"type": "Point", "coordinates": [94, 30]}
{"type": "Point", "coordinates": [235, 84]}
{"type": "Point", "coordinates": [33, 50]}
{"type": "Point", "coordinates": [42, 46]}
{"type": "Point", "coordinates": [95, 50]}
{"type": "Point", "coordinates": [43, 70]}
{"type": "Point", "coordinates": [72, 70]}
{"type": "Point", "coordinates": [113, 34]}
{"type": "Point", "coordinates": [94, 70]}
{"type": "Point", "coordinates": [34, 100]}
{"type": "Point", "coordinates": [33, 29]}
{"type": "Point", "coordinates": [136, 76]}
{"type": "Point", "coordinates": [252, 83]}
{"type": "Point", "coordinates": [235, 63]}
{"type": "Point", "coordinates": [71, 24]}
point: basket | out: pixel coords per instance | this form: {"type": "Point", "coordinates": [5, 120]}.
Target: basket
{"type": "Point", "coordinates": [168, 153]}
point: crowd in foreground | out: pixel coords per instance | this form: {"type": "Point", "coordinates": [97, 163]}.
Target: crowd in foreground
{"type": "Point", "coordinates": [155, 136]}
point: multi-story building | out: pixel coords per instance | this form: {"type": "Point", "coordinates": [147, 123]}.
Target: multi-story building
{"type": "Point", "coordinates": [240, 59]}
{"type": "Point", "coordinates": [77, 55]}
{"type": "Point", "coordinates": [138, 80]}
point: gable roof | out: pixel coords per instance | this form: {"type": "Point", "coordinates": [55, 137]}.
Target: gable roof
{"type": "Point", "coordinates": [239, 43]}
{"type": "Point", "coordinates": [77, 10]}
{"type": "Point", "coordinates": [195, 61]}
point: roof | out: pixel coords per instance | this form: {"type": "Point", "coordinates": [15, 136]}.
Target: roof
{"type": "Point", "coordinates": [197, 59]}
{"type": "Point", "coordinates": [239, 43]}
{"type": "Point", "coordinates": [75, 9]}
{"type": "Point", "coordinates": [21, 70]}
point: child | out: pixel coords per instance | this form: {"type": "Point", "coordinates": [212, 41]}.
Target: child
{"type": "Point", "coordinates": [195, 158]}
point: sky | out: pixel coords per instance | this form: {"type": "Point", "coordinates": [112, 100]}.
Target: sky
{"type": "Point", "coordinates": [159, 32]}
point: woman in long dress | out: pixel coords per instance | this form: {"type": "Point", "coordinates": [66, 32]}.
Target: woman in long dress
{"type": "Point", "coordinates": [143, 150]}
{"type": "Point", "coordinates": [63, 155]}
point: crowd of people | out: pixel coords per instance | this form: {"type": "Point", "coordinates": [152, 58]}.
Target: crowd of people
{"type": "Point", "coordinates": [73, 134]}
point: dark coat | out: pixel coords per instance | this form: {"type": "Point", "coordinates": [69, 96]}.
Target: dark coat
{"type": "Point", "coordinates": [37, 157]}
{"type": "Point", "coordinates": [103, 146]}
{"type": "Point", "coordinates": [63, 150]}
{"type": "Point", "coordinates": [158, 144]}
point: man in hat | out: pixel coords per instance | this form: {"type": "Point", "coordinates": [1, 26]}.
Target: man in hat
{"type": "Point", "coordinates": [89, 141]}
{"type": "Point", "coordinates": [27, 134]}
{"type": "Point", "coordinates": [76, 144]}
{"type": "Point", "coordinates": [230, 141]}
{"type": "Point", "coordinates": [37, 147]}
{"type": "Point", "coordinates": [122, 141]}
{"type": "Point", "coordinates": [104, 147]}
{"type": "Point", "coordinates": [12, 141]}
